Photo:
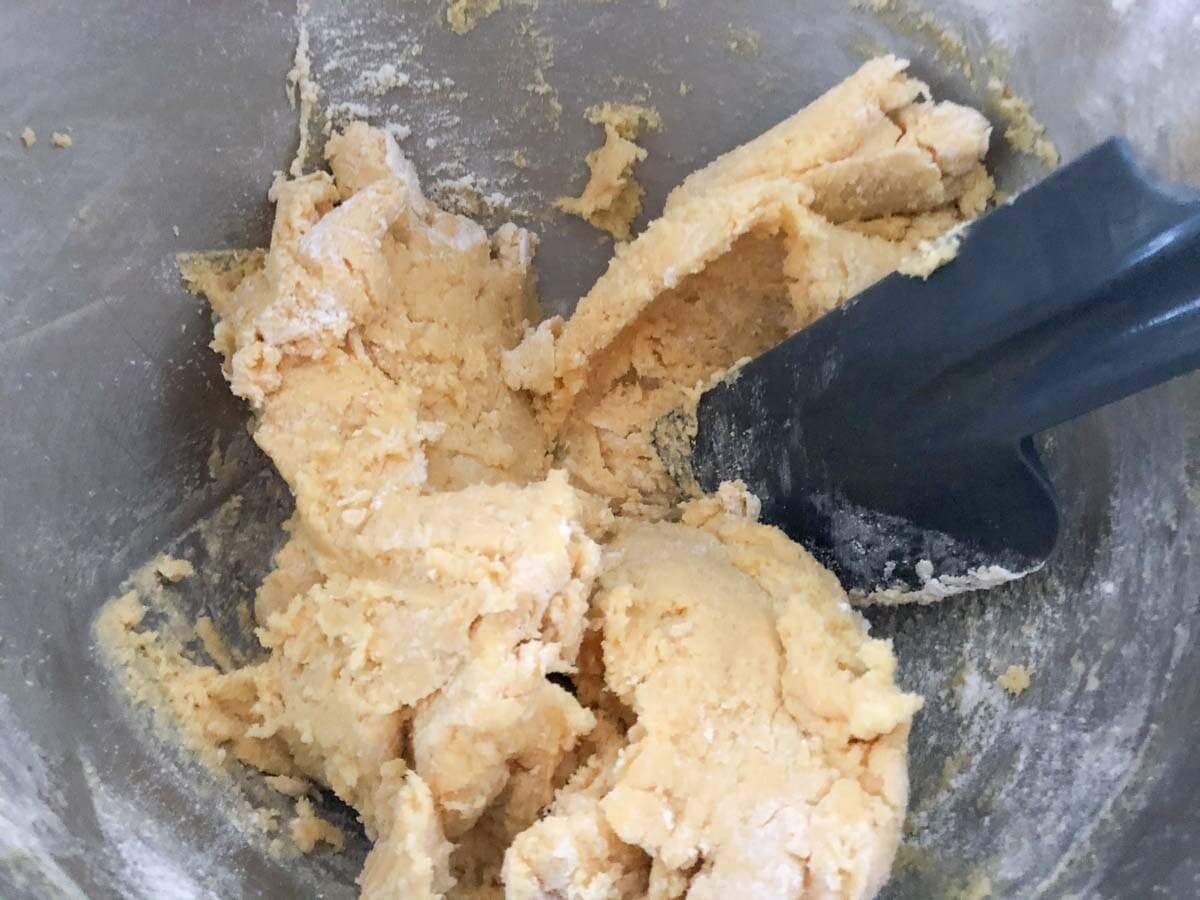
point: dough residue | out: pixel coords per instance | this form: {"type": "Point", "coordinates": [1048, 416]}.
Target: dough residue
{"type": "Point", "coordinates": [1015, 680]}
{"type": "Point", "coordinates": [173, 570]}
{"type": "Point", "coordinates": [308, 829]}
{"type": "Point", "coordinates": [463, 15]}
{"type": "Point", "coordinates": [629, 119]}
{"type": "Point", "coordinates": [214, 644]}
{"type": "Point", "coordinates": [612, 198]}
{"type": "Point", "coordinates": [302, 92]}
{"type": "Point", "coordinates": [1023, 132]}
{"type": "Point", "coordinates": [494, 629]}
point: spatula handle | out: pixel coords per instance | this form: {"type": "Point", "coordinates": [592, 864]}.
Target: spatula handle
{"type": "Point", "coordinates": [1098, 297]}
{"type": "Point", "coordinates": [1135, 331]}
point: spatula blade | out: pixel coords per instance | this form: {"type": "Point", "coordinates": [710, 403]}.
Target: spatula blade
{"type": "Point", "coordinates": [891, 436]}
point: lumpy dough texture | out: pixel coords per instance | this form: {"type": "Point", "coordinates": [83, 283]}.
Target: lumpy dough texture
{"type": "Point", "coordinates": [768, 754]}
{"type": "Point", "coordinates": [733, 730]}
{"type": "Point", "coordinates": [436, 570]}
{"type": "Point", "coordinates": [747, 251]}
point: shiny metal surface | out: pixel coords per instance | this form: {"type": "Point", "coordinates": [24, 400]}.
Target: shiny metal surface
{"type": "Point", "coordinates": [1085, 785]}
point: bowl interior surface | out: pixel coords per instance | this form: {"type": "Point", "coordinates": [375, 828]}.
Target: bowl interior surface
{"type": "Point", "coordinates": [112, 402]}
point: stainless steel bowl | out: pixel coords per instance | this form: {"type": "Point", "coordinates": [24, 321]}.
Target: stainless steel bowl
{"type": "Point", "coordinates": [1084, 785]}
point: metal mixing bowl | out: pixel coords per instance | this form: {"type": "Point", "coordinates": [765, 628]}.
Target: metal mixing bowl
{"type": "Point", "coordinates": [1084, 785]}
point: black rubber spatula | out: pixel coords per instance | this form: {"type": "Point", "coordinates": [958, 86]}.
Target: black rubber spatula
{"type": "Point", "coordinates": [892, 436]}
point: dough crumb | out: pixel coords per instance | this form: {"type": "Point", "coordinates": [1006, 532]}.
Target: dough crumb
{"type": "Point", "coordinates": [218, 272]}
{"type": "Point", "coordinates": [214, 645]}
{"type": "Point", "coordinates": [932, 254]}
{"type": "Point", "coordinates": [308, 829]}
{"type": "Point", "coordinates": [302, 90]}
{"type": "Point", "coordinates": [287, 785]}
{"type": "Point", "coordinates": [907, 17]}
{"type": "Point", "coordinates": [124, 613]}
{"type": "Point", "coordinates": [157, 674]}
{"type": "Point", "coordinates": [612, 198]}
{"type": "Point", "coordinates": [630, 119]}
{"type": "Point", "coordinates": [1015, 679]}
{"type": "Point", "coordinates": [173, 570]}
{"type": "Point", "coordinates": [1024, 132]}
{"type": "Point", "coordinates": [464, 15]}
{"type": "Point", "coordinates": [737, 500]}
{"type": "Point", "coordinates": [60, 140]}
{"type": "Point", "coordinates": [465, 195]}
{"type": "Point", "coordinates": [266, 820]}
{"type": "Point", "coordinates": [28, 136]}
{"type": "Point", "coordinates": [530, 364]}
{"type": "Point", "coordinates": [380, 81]}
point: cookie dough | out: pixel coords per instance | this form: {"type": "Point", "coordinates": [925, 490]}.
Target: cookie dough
{"type": "Point", "coordinates": [1015, 679]}
{"type": "Point", "coordinates": [768, 758]}
{"type": "Point", "coordinates": [492, 630]}
{"type": "Point", "coordinates": [463, 15]}
{"type": "Point", "coordinates": [308, 829]}
{"type": "Point", "coordinates": [173, 570]}
{"type": "Point", "coordinates": [747, 251]}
